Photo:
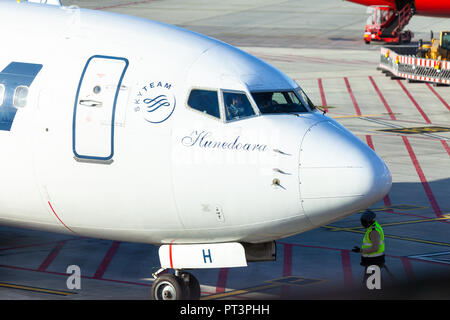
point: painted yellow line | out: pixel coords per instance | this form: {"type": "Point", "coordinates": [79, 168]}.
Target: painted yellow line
{"type": "Point", "coordinates": [444, 217]}
{"type": "Point", "coordinates": [274, 283]}
{"type": "Point", "coordinates": [398, 207]}
{"type": "Point", "coordinates": [224, 295]}
{"type": "Point", "coordinates": [33, 289]}
{"type": "Point", "coordinates": [392, 236]}
{"type": "Point", "coordinates": [238, 292]}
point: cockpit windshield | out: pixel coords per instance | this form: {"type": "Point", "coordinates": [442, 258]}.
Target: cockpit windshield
{"type": "Point", "coordinates": [279, 102]}
{"type": "Point", "coordinates": [306, 99]}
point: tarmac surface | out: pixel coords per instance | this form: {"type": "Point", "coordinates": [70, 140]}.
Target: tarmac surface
{"type": "Point", "coordinates": [319, 44]}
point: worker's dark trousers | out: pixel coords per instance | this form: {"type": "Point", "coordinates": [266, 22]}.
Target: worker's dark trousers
{"type": "Point", "coordinates": [371, 261]}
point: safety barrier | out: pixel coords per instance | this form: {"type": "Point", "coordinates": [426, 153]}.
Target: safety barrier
{"type": "Point", "coordinates": [402, 62]}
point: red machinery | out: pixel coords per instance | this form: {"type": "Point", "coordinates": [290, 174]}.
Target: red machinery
{"type": "Point", "coordinates": [430, 8]}
{"type": "Point", "coordinates": [386, 24]}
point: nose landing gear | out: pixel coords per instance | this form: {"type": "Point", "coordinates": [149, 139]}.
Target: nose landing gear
{"type": "Point", "coordinates": [179, 286]}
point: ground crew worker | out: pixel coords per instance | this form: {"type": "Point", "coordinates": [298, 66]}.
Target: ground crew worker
{"type": "Point", "coordinates": [372, 249]}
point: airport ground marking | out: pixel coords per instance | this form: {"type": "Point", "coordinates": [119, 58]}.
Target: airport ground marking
{"type": "Point", "coordinates": [390, 209]}
{"type": "Point", "coordinates": [82, 276]}
{"type": "Point", "coordinates": [397, 129]}
{"type": "Point", "coordinates": [271, 284]}
{"type": "Point", "coordinates": [52, 255]}
{"type": "Point", "coordinates": [354, 230]}
{"type": "Point", "coordinates": [420, 173]}
{"type": "Point", "coordinates": [239, 292]}
{"type": "Point", "coordinates": [418, 130]}
{"type": "Point", "coordinates": [358, 116]}
{"type": "Point", "coordinates": [347, 268]}
{"type": "Point", "coordinates": [438, 96]}
{"type": "Point", "coordinates": [398, 206]}
{"type": "Point", "coordinates": [121, 5]}
{"type": "Point", "coordinates": [410, 150]}
{"type": "Point", "coordinates": [428, 257]}
{"type": "Point", "coordinates": [35, 289]}
{"type": "Point", "coordinates": [222, 280]}
{"type": "Point", "coordinates": [352, 97]}
{"type": "Point", "coordinates": [39, 244]}
{"type": "Point", "coordinates": [413, 157]}
{"type": "Point", "coordinates": [446, 147]}
{"type": "Point", "coordinates": [322, 92]}
{"type": "Point", "coordinates": [107, 260]}
{"type": "Point", "coordinates": [383, 100]}
{"type": "Point", "coordinates": [444, 217]}
{"type": "Point", "coordinates": [424, 116]}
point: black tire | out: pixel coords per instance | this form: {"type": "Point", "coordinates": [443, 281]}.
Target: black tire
{"type": "Point", "coordinates": [193, 287]}
{"type": "Point", "coordinates": [168, 287]}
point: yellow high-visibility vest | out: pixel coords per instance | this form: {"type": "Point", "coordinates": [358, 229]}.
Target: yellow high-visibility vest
{"type": "Point", "coordinates": [367, 243]}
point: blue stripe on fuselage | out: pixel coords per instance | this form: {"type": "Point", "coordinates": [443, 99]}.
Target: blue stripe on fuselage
{"type": "Point", "coordinates": [14, 75]}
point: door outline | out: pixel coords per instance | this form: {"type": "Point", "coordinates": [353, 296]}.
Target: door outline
{"type": "Point", "coordinates": [119, 84]}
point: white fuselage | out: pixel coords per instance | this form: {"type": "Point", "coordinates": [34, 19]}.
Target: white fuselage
{"type": "Point", "coordinates": [83, 155]}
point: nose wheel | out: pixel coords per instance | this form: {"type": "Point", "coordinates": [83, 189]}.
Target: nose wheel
{"type": "Point", "coordinates": [179, 286]}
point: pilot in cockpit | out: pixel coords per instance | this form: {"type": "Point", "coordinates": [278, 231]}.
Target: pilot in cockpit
{"type": "Point", "coordinates": [235, 106]}
{"type": "Point", "coordinates": [265, 102]}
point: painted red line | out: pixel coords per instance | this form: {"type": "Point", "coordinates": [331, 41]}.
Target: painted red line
{"type": "Point", "coordinates": [222, 280]}
{"type": "Point", "coordinates": [386, 199]}
{"type": "Point", "coordinates": [52, 255]}
{"type": "Point", "coordinates": [408, 267]}
{"type": "Point", "coordinates": [287, 260]}
{"type": "Point", "coordinates": [438, 96]}
{"type": "Point", "coordinates": [322, 92]}
{"type": "Point", "coordinates": [170, 256]}
{"type": "Point", "coordinates": [383, 100]}
{"type": "Point", "coordinates": [425, 117]}
{"type": "Point", "coordinates": [426, 186]}
{"type": "Point", "coordinates": [444, 143]}
{"type": "Point", "coordinates": [370, 142]}
{"type": "Point", "coordinates": [287, 268]}
{"type": "Point", "coordinates": [352, 96]}
{"type": "Point", "coordinates": [106, 260]}
{"type": "Point", "coordinates": [347, 268]}
{"type": "Point", "coordinates": [123, 5]}
{"type": "Point", "coordinates": [59, 218]}
{"type": "Point", "coordinates": [387, 202]}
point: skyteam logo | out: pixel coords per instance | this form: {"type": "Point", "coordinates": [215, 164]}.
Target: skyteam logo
{"type": "Point", "coordinates": [155, 101]}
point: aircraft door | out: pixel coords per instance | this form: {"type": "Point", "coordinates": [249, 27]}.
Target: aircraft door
{"type": "Point", "coordinates": [95, 106]}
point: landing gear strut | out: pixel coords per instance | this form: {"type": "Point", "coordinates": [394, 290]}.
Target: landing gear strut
{"type": "Point", "coordinates": [179, 286]}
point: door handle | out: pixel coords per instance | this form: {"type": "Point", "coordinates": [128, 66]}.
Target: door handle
{"type": "Point", "coordinates": [91, 103]}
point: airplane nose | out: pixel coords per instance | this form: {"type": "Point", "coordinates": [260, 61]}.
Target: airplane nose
{"type": "Point", "coordinates": [338, 174]}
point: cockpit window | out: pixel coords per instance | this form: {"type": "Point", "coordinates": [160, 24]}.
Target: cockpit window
{"type": "Point", "coordinates": [306, 99]}
{"type": "Point", "coordinates": [278, 102]}
{"type": "Point", "coordinates": [205, 101]}
{"type": "Point", "coordinates": [237, 105]}
{"type": "Point", "coordinates": [20, 96]}
{"type": "Point", "coordinates": [2, 94]}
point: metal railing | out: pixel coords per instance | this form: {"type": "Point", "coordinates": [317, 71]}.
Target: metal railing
{"type": "Point", "coordinates": [401, 61]}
